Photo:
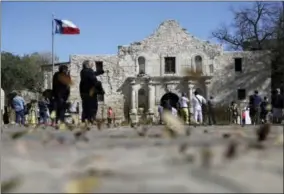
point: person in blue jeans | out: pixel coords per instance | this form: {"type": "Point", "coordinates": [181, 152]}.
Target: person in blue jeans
{"type": "Point", "coordinates": [43, 111]}
{"type": "Point", "coordinates": [18, 103]}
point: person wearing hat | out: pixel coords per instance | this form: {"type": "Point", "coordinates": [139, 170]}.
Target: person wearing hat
{"type": "Point", "coordinates": [184, 108]}
{"type": "Point", "coordinates": [61, 91]}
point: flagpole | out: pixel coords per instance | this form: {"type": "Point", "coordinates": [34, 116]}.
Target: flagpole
{"type": "Point", "coordinates": [52, 44]}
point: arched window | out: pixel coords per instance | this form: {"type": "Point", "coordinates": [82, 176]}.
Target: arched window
{"type": "Point", "coordinates": [141, 63]}
{"type": "Point", "coordinates": [198, 64]}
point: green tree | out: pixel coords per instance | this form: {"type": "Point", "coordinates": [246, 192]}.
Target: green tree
{"type": "Point", "coordinates": [23, 72]}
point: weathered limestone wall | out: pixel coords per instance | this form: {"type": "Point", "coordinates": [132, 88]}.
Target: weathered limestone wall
{"type": "Point", "coordinates": [171, 40]}
{"type": "Point", "coordinates": [168, 40]}
{"type": "Point", "coordinates": [256, 75]}
{"type": "Point", "coordinates": [112, 80]}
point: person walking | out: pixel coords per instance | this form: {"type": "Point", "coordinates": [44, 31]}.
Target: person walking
{"type": "Point", "coordinates": [264, 110]}
{"type": "Point", "coordinates": [18, 104]}
{"type": "Point", "coordinates": [43, 110]}
{"type": "Point", "coordinates": [277, 102]}
{"type": "Point", "coordinates": [89, 88]}
{"type": "Point", "coordinates": [197, 102]}
{"type": "Point", "coordinates": [61, 91]}
{"type": "Point", "coordinates": [110, 116]}
{"type": "Point", "coordinates": [211, 112]}
{"type": "Point", "coordinates": [160, 112]}
{"type": "Point", "coordinates": [255, 102]}
{"type": "Point", "coordinates": [184, 101]}
{"type": "Point", "coordinates": [235, 113]}
{"type": "Point", "coordinates": [48, 97]}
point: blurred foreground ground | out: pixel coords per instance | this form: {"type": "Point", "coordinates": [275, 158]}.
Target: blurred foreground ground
{"type": "Point", "coordinates": [142, 164]}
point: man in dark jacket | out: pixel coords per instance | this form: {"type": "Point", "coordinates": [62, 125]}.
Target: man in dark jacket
{"type": "Point", "coordinates": [61, 91]}
{"type": "Point", "coordinates": [90, 87]}
{"type": "Point", "coordinates": [255, 102]}
{"type": "Point", "coordinates": [277, 102]}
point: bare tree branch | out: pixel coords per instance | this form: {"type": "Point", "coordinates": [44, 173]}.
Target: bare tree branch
{"type": "Point", "coordinates": [251, 24]}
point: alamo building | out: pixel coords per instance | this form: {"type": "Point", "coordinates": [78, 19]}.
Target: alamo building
{"type": "Point", "coordinates": [143, 73]}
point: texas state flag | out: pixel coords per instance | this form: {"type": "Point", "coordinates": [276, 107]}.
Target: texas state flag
{"type": "Point", "coordinates": [65, 27]}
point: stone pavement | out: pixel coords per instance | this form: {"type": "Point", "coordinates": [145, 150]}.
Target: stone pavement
{"type": "Point", "coordinates": [127, 162]}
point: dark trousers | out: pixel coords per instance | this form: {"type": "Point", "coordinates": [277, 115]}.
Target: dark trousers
{"type": "Point", "coordinates": [89, 108]}
{"type": "Point", "coordinates": [43, 116]}
{"type": "Point", "coordinates": [20, 117]}
{"type": "Point", "coordinates": [211, 117]}
{"type": "Point", "coordinates": [254, 115]}
{"type": "Point", "coordinates": [60, 107]}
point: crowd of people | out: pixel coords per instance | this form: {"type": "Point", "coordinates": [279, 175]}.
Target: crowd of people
{"type": "Point", "coordinates": [258, 110]}
{"type": "Point", "coordinates": [54, 104]}
{"type": "Point", "coordinates": [181, 108]}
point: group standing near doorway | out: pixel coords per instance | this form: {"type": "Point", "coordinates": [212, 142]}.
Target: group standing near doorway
{"type": "Point", "coordinates": [258, 110]}
{"type": "Point", "coordinates": [181, 107]}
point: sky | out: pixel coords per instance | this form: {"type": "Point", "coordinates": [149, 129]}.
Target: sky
{"type": "Point", "coordinates": [26, 26]}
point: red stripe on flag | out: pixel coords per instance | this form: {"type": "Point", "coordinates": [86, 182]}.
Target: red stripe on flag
{"type": "Point", "coordinates": [69, 30]}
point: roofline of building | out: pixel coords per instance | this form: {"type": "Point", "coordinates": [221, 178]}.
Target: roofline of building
{"type": "Point", "coordinates": [57, 64]}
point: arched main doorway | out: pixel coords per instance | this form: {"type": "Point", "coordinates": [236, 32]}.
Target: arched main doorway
{"type": "Point", "coordinates": [172, 97]}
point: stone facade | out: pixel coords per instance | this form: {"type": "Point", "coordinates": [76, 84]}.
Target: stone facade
{"type": "Point", "coordinates": [136, 77]}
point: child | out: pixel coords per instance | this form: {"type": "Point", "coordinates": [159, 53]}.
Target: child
{"type": "Point", "coordinates": [74, 112]}
{"type": "Point", "coordinates": [110, 116]}
{"type": "Point", "coordinates": [243, 117]}
{"type": "Point", "coordinates": [234, 112]}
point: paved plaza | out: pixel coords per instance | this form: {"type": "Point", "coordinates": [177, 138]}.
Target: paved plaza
{"type": "Point", "coordinates": [47, 160]}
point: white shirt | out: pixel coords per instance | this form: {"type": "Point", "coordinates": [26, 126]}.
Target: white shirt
{"type": "Point", "coordinates": [73, 107]}
{"type": "Point", "coordinates": [196, 105]}
{"type": "Point", "coordinates": [174, 111]}
{"type": "Point", "coordinates": [160, 109]}
{"type": "Point", "coordinates": [184, 102]}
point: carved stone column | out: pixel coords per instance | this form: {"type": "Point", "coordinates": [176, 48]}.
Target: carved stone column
{"type": "Point", "coordinates": [190, 89]}
{"type": "Point", "coordinates": [45, 80]}
{"type": "Point", "coordinates": [207, 92]}
{"type": "Point", "coordinates": [151, 97]}
{"type": "Point", "coordinates": [133, 97]}
{"type": "Point", "coordinates": [190, 94]}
